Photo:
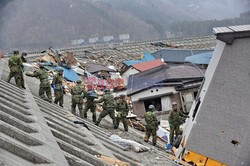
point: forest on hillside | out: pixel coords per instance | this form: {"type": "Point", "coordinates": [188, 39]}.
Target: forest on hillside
{"type": "Point", "coordinates": [201, 28]}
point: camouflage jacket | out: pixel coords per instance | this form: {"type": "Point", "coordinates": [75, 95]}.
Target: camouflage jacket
{"type": "Point", "coordinates": [43, 76]}
{"type": "Point", "coordinates": [122, 108]}
{"type": "Point", "coordinates": [175, 117]}
{"type": "Point", "coordinates": [151, 120]}
{"type": "Point", "coordinates": [15, 64]}
{"type": "Point", "coordinates": [108, 101]}
{"type": "Point", "coordinates": [78, 93]}
{"type": "Point", "coordinates": [57, 80]}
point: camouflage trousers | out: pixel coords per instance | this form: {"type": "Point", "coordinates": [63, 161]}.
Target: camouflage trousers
{"type": "Point", "coordinates": [104, 113]}
{"type": "Point", "coordinates": [73, 107]}
{"type": "Point", "coordinates": [59, 97]}
{"type": "Point", "coordinates": [42, 91]}
{"type": "Point", "coordinates": [174, 129]}
{"type": "Point", "coordinates": [92, 108]}
{"type": "Point", "coordinates": [18, 78]}
{"type": "Point", "coordinates": [150, 131]}
{"type": "Point", "coordinates": [124, 121]}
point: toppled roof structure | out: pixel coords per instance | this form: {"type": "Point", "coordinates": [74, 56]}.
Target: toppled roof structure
{"type": "Point", "coordinates": [219, 125]}
{"type": "Point", "coordinates": [163, 75]}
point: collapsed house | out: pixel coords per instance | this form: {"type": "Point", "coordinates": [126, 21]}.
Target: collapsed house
{"type": "Point", "coordinates": [140, 67]}
{"type": "Point", "coordinates": [163, 85]}
{"type": "Point", "coordinates": [217, 132]}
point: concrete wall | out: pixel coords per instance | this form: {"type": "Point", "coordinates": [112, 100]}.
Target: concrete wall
{"type": "Point", "coordinates": [126, 74]}
{"type": "Point", "coordinates": [153, 92]}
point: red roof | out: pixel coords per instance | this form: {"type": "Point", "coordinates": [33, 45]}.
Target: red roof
{"type": "Point", "coordinates": [148, 65]}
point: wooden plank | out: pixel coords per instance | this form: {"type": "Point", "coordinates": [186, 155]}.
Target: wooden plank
{"type": "Point", "coordinates": [113, 161]}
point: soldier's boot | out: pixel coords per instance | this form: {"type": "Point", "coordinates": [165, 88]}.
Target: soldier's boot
{"type": "Point", "coordinates": [98, 121]}
{"type": "Point", "coordinates": [94, 117]}
{"type": "Point", "coordinates": [8, 79]}
{"type": "Point", "coordinates": [125, 126]}
{"type": "Point", "coordinates": [146, 138]}
{"type": "Point", "coordinates": [154, 140]}
{"type": "Point", "coordinates": [117, 123]}
{"type": "Point", "coordinates": [19, 82]}
{"type": "Point", "coordinates": [50, 100]}
{"type": "Point", "coordinates": [114, 123]}
{"type": "Point", "coordinates": [85, 115]}
{"type": "Point", "coordinates": [73, 110]}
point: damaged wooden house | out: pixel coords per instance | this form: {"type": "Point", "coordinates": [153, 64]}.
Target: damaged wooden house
{"type": "Point", "coordinates": [163, 85]}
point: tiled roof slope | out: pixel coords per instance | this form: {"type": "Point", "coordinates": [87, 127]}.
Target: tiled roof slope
{"type": "Point", "coordinates": [37, 132]}
{"type": "Point", "coordinates": [148, 65]}
{"type": "Point", "coordinates": [25, 139]}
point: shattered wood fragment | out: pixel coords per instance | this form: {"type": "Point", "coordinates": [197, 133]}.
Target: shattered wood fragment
{"type": "Point", "coordinates": [113, 161]}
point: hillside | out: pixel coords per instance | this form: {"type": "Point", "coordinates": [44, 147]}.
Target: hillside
{"type": "Point", "coordinates": [35, 24]}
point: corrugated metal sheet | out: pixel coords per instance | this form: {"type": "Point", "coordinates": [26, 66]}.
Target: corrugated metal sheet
{"type": "Point", "coordinates": [176, 55]}
{"type": "Point", "coordinates": [203, 58]}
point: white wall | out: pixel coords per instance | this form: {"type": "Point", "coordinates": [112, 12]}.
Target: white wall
{"type": "Point", "coordinates": [148, 93]}
{"type": "Point", "coordinates": [166, 103]}
{"type": "Point", "coordinates": [127, 73]}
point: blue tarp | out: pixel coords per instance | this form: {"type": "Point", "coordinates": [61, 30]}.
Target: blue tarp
{"type": "Point", "coordinates": [147, 57]}
{"type": "Point", "coordinates": [69, 74]}
{"type": "Point", "coordinates": [203, 58]}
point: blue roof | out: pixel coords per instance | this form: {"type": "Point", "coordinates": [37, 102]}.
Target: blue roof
{"type": "Point", "coordinates": [176, 55]}
{"type": "Point", "coordinates": [203, 58]}
{"type": "Point", "coordinates": [147, 57]}
{"type": "Point", "coordinates": [69, 74]}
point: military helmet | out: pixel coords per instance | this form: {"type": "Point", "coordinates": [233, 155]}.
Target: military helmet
{"type": "Point", "coordinates": [174, 103]}
{"type": "Point", "coordinates": [151, 107]}
{"type": "Point", "coordinates": [15, 51]}
{"type": "Point", "coordinates": [60, 70]}
{"type": "Point", "coordinates": [24, 53]}
{"type": "Point", "coordinates": [122, 96]}
{"type": "Point", "coordinates": [41, 65]}
{"type": "Point", "coordinates": [106, 90]}
{"type": "Point", "coordinates": [78, 81]}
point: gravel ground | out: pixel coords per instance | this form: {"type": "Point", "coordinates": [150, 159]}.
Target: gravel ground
{"type": "Point", "coordinates": [154, 157]}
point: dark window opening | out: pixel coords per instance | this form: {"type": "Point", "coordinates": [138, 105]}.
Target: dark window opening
{"type": "Point", "coordinates": [195, 94]}
{"type": "Point", "coordinates": [234, 142]}
{"type": "Point", "coordinates": [156, 102]}
{"type": "Point", "coordinates": [196, 109]}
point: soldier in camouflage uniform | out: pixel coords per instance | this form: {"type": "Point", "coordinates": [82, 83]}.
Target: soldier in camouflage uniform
{"type": "Point", "coordinates": [174, 119]}
{"type": "Point", "coordinates": [108, 107]}
{"type": "Point", "coordinates": [78, 93]}
{"type": "Point", "coordinates": [152, 125]}
{"type": "Point", "coordinates": [90, 104]}
{"type": "Point", "coordinates": [44, 86]}
{"type": "Point", "coordinates": [58, 87]}
{"type": "Point", "coordinates": [122, 109]}
{"type": "Point", "coordinates": [16, 68]}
